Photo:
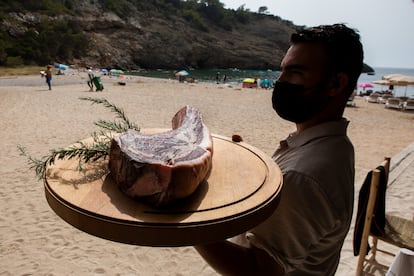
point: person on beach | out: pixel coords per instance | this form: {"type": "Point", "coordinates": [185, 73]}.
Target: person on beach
{"type": "Point", "coordinates": [48, 76]}
{"type": "Point", "coordinates": [90, 78]}
{"type": "Point", "coordinates": [305, 234]}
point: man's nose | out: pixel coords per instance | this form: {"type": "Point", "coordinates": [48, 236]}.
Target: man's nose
{"type": "Point", "coordinates": [280, 77]}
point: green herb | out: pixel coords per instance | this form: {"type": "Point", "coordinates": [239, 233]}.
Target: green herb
{"type": "Point", "coordinates": [99, 149]}
{"type": "Point", "coordinates": [122, 126]}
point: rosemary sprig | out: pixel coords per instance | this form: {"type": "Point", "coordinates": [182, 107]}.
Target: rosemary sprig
{"type": "Point", "coordinates": [112, 126]}
{"type": "Point", "coordinates": [99, 149]}
{"type": "Point", "coordinates": [84, 152]}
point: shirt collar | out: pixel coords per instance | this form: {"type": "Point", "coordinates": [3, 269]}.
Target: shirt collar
{"type": "Point", "coordinates": [333, 128]}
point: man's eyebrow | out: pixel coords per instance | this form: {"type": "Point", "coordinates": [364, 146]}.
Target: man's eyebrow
{"type": "Point", "coordinates": [294, 67]}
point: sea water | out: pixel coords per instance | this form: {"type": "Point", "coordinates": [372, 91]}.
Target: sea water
{"type": "Point", "coordinates": [236, 76]}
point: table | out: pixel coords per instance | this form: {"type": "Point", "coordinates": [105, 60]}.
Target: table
{"type": "Point", "coordinates": [241, 192]}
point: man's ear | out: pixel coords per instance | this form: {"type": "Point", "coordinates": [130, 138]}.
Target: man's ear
{"type": "Point", "coordinates": [339, 82]}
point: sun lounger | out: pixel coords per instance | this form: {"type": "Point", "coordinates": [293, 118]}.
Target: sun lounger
{"type": "Point", "coordinates": [408, 105]}
{"type": "Point", "coordinates": [383, 99]}
{"type": "Point", "coordinates": [373, 98]}
{"type": "Point", "coordinates": [351, 101]}
{"type": "Point", "coordinates": [395, 103]}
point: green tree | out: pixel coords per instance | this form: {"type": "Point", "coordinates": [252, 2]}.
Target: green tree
{"type": "Point", "coordinates": [242, 14]}
{"type": "Point", "coordinates": [212, 9]}
{"type": "Point", "coordinates": [263, 9]}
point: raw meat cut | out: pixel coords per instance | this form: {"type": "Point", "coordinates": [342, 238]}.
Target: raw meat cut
{"type": "Point", "coordinates": [166, 166]}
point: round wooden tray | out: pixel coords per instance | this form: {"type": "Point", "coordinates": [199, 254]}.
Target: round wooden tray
{"type": "Point", "coordinates": [241, 192]}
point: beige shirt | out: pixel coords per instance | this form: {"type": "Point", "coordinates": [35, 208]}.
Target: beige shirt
{"type": "Point", "coordinates": [306, 232]}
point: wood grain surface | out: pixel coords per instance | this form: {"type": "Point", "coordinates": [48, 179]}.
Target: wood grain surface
{"type": "Point", "coordinates": [241, 191]}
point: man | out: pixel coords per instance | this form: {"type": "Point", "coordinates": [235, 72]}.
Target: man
{"type": "Point", "coordinates": [90, 78]}
{"type": "Point", "coordinates": [305, 234]}
{"type": "Point", "coordinates": [48, 76]}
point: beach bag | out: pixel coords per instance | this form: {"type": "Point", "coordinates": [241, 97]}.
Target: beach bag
{"type": "Point", "coordinates": [98, 83]}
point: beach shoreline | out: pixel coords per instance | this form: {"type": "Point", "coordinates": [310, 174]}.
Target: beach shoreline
{"type": "Point", "coordinates": [36, 241]}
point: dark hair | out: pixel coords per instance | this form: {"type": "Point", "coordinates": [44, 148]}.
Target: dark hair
{"type": "Point", "coordinates": [343, 48]}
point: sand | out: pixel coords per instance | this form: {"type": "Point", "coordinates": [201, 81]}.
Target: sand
{"type": "Point", "coordinates": [35, 241]}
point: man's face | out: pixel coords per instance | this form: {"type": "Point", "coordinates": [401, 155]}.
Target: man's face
{"type": "Point", "coordinates": [305, 64]}
{"type": "Point", "coordinates": [302, 91]}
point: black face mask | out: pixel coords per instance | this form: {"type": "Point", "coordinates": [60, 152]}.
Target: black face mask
{"type": "Point", "coordinates": [293, 103]}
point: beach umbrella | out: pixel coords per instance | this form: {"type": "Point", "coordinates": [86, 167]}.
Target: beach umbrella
{"type": "Point", "coordinates": [382, 82]}
{"type": "Point", "coordinates": [182, 73]}
{"type": "Point", "coordinates": [390, 76]}
{"type": "Point", "coordinates": [61, 66]}
{"type": "Point", "coordinates": [116, 71]}
{"type": "Point", "coordinates": [399, 79]}
{"type": "Point", "coordinates": [365, 85]}
{"type": "Point", "coordinates": [265, 83]}
{"type": "Point", "coordinates": [385, 83]}
{"type": "Point", "coordinates": [248, 80]}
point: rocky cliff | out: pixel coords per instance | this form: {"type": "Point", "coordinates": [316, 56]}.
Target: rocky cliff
{"type": "Point", "coordinates": [156, 39]}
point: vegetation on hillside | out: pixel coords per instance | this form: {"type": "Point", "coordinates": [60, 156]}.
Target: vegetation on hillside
{"type": "Point", "coordinates": [38, 39]}
{"type": "Point", "coordinates": [37, 32]}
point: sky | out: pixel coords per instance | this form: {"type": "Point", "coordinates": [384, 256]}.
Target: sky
{"type": "Point", "coordinates": [386, 27]}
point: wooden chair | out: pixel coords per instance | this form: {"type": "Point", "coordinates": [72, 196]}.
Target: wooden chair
{"type": "Point", "coordinates": [397, 231]}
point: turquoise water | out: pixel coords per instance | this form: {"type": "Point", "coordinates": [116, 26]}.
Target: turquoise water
{"type": "Point", "coordinates": [236, 76]}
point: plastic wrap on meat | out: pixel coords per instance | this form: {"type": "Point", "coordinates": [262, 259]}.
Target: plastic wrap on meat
{"type": "Point", "coordinates": [166, 166]}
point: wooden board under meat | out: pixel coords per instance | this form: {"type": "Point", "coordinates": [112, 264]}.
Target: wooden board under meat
{"type": "Point", "coordinates": [241, 191]}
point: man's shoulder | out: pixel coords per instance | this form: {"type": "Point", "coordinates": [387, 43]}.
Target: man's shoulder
{"type": "Point", "coordinates": [322, 150]}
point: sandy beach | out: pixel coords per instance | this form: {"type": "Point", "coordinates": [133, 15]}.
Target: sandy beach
{"type": "Point", "coordinates": [35, 241]}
